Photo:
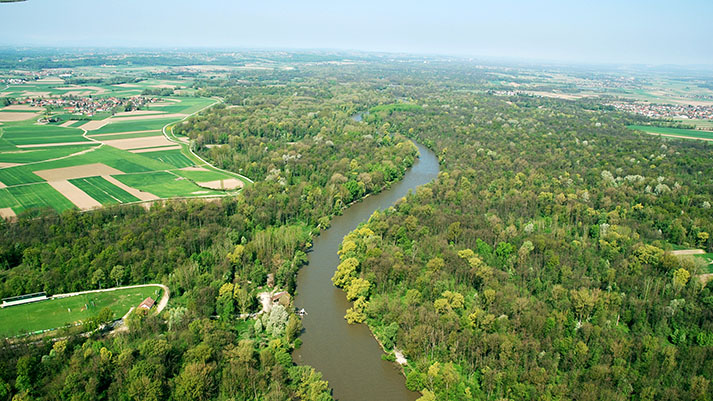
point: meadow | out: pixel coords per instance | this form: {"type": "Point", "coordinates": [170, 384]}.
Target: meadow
{"type": "Point", "coordinates": [57, 313]}
{"type": "Point", "coordinates": [689, 133]}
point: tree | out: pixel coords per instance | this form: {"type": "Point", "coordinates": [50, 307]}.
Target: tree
{"type": "Point", "coordinates": [680, 278]}
{"type": "Point", "coordinates": [117, 274]}
{"type": "Point", "coordinates": [358, 287]}
{"type": "Point", "coordinates": [195, 382]}
{"type": "Point", "coordinates": [98, 277]}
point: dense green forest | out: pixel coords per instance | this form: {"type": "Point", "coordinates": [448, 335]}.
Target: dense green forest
{"type": "Point", "coordinates": [535, 267]}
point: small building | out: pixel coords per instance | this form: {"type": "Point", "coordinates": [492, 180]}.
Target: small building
{"type": "Point", "coordinates": [147, 303]}
{"type": "Point", "coordinates": [282, 298]}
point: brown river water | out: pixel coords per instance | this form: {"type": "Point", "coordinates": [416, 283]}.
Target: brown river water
{"type": "Point", "coordinates": [348, 355]}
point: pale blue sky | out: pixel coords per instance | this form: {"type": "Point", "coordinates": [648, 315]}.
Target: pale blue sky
{"type": "Point", "coordinates": [606, 31]}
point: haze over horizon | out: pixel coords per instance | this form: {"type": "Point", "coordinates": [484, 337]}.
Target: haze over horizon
{"type": "Point", "coordinates": [642, 32]}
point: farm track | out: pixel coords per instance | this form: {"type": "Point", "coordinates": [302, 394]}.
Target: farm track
{"type": "Point", "coordinates": [173, 139]}
{"type": "Point", "coordinates": [679, 136]}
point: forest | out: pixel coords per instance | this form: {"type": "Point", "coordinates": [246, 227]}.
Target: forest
{"type": "Point", "coordinates": [536, 267]}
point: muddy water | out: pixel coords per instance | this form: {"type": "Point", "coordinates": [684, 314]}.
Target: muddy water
{"type": "Point", "coordinates": [347, 355]}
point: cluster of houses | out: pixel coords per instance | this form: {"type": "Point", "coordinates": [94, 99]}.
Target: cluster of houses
{"type": "Point", "coordinates": [89, 106]}
{"type": "Point", "coordinates": [13, 81]}
{"type": "Point", "coordinates": [666, 110]}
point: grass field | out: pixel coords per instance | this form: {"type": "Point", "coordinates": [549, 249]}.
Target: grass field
{"type": "Point", "coordinates": [40, 134]}
{"type": "Point", "coordinates": [164, 184]}
{"type": "Point", "coordinates": [39, 154]}
{"type": "Point", "coordinates": [708, 258]}
{"type": "Point", "coordinates": [693, 134]}
{"type": "Point", "coordinates": [103, 191]}
{"type": "Point", "coordinates": [133, 125]}
{"type": "Point", "coordinates": [51, 314]}
{"type": "Point", "coordinates": [108, 137]}
{"type": "Point", "coordinates": [173, 157]}
{"type": "Point", "coordinates": [37, 196]}
{"type": "Point", "coordinates": [200, 176]}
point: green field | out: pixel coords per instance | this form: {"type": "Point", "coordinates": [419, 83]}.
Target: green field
{"type": "Point", "coordinates": [103, 191]}
{"type": "Point", "coordinates": [39, 154]}
{"type": "Point", "coordinates": [173, 157]}
{"type": "Point", "coordinates": [164, 184]}
{"type": "Point", "coordinates": [107, 137]}
{"type": "Point", "coordinates": [39, 195]}
{"type": "Point", "coordinates": [693, 134]}
{"type": "Point", "coordinates": [708, 257]}
{"type": "Point", "coordinates": [26, 134]}
{"type": "Point", "coordinates": [201, 176]}
{"type": "Point", "coordinates": [133, 125]}
{"type": "Point", "coordinates": [52, 314]}
{"type": "Point", "coordinates": [187, 105]}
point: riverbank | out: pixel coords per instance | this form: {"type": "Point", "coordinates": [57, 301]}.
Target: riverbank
{"type": "Point", "coordinates": [349, 356]}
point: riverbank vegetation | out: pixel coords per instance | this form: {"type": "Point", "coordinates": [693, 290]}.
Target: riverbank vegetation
{"type": "Point", "coordinates": [536, 266]}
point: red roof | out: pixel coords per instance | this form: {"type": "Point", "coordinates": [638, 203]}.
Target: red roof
{"type": "Point", "coordinates": [147, 303]}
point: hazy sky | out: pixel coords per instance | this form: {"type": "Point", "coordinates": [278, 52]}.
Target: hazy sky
{"type": "Point", "coordinates": [619, 31]}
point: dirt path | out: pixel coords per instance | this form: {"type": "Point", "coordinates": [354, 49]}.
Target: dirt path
{"type": "Point", "coordinates": [679, 136]}
{"type": "Point", "coordinates": [705, 278]}
{"type": "Point", "coordinates": [688, 252]}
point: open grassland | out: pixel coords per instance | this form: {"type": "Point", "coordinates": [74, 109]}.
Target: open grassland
{"type": "Point", "coordinates": [708, 257]}
{"type": "Point", "coordinates": [173, 157]}
{"type": "Point", "coordinates": [39, 195]}
{"type": "Point", "coordinates": [56, 313]}
{"type": "Point", "coordinates": [103, 191]}
{"type": "Point", "coordinates": [117, 125]}
{"type": "Point", "coordinates": [165, 184]}
{"type": "Point", "coordinates": [674, 132]}
{"type": "Point", "coordinates": [25, 134]}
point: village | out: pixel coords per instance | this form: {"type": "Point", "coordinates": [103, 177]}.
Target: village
{"type": "Point", "coordinates": [88, 106]}
{"type": "Point", "coordinates": [652, 110]}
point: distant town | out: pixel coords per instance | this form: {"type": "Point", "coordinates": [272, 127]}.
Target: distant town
{"type": "Point", "coordinates": [666, 110]}
{"type": "Point", "coordinates": [89, 106]}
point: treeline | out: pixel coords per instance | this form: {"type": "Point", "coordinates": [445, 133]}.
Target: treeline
{"type": "Point", "coordinates": [536, 266]}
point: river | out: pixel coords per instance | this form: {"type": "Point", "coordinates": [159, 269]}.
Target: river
{"type": "Point", "coordinates": [347, 355]}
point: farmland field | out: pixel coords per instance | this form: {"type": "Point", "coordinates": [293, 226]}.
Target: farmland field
{"type": "Point", "coordinates": [57, 313]}
{"type": "Point", "coordinates": [53, 165]}
{"type": "Point", "coordinates": [689, 133]}
{"type": "Point", "coordinates": [103, 191]}
{"type": "Point", "coordinates": [133, 125]}
{"type": "Point", "coordinates": [173, 157]}
{"type": "Point", "coordinates": [163, 184]}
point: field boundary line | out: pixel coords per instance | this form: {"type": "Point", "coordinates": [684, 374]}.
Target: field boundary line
{"type": "Point", "coordinates": [217, 101]}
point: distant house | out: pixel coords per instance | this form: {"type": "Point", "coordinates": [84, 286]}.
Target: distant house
{"type": "Point", "coordinates": [282, 298]}
{"type": "Point", "coordinates": [147, 303]}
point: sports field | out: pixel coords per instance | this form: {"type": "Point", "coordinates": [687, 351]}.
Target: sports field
{"type": "Point", "coordinates": [675, 132]}
{"type": "Point", "coordinates": [88, 161]}
{"type": "Point", "coordinates": [57, 313]}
